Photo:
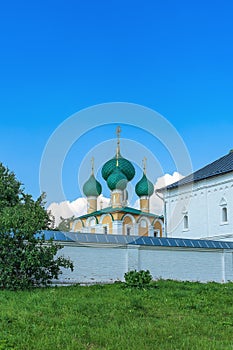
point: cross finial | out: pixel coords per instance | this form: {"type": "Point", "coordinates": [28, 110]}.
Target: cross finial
{"type": "Point", "coordinates": [118, 133]}
{"type": "Point", "coordinates": [92, 165]}
{"type": "Point", "coordinates": [144, 164]}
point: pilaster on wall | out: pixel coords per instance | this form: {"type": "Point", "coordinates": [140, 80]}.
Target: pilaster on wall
{"type": "Point", "coordinates": [132, 258]}
{"type": "Point", "coordinates": [151, 231]}
{"type": "Point", "coordinates": [227, 262]}
{"type": "Point", "coordinates": [117, 227]}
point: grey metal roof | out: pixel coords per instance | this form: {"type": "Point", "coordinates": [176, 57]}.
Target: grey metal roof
{"type": "Point", "coordinates": [220, 166]}
{"type": "Point", "coordinates": [57, 236]}
{"type": "Point", "coordinates": [86, 238]}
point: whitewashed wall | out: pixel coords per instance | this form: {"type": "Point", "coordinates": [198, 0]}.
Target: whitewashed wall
{"type": "Point", "coordinates": [108, 264]}
{"type": "Point", "coordinates": [94, 264]}
{"type": "Point", "coordinates": [202, 203]}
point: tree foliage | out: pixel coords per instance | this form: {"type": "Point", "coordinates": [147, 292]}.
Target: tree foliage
{"type": "Point", "coordinates": [26, 259]}
{"type": "Point", "coordinates": [64, 224]}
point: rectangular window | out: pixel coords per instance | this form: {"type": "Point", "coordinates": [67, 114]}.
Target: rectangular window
{"type": "Point", "coordinates": [186, 222]}
{"type": "Point", "coordinates": [224, 214]}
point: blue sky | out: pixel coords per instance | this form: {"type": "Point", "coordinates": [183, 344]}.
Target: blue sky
{"type": "Point", "coordinates": [58, 57]}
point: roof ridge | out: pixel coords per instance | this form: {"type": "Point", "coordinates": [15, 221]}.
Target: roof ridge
{"type": "Point", "coordinates": [215, 168]}
{"type": "Point", "coordinates": [124, 209]}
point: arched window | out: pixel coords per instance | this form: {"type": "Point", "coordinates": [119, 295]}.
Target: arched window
{"type": "Point", "coordinates": [224, 214]}
{"type": "Point", "coordinates": [186, 222]}
{"type": "Point", "coordinates": [128, 230]}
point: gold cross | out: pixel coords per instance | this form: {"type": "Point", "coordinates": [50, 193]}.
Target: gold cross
{"type": "Point", "coordinates": [92, 165]}
{"type": "Point", "coordinates": [118, 133]}
{"type": "Point", "coordinates": [144, 164]}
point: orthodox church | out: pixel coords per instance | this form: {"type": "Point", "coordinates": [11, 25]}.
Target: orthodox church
{"type": "Point", "coordinates": [119, 218]}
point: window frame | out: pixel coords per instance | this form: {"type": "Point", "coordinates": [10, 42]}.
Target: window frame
{"type": "Point", "coordinates": [224, 215]}
{"type": "Point", "coordinates": [186, 222]}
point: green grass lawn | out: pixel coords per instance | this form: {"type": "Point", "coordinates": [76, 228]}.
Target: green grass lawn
{"type": "Point", "coordinates": [175, 315]}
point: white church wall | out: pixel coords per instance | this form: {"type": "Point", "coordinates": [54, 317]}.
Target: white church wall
{"type": "Point", "coordinates": [203, 203]}
{"type": "Point", "coordinates": [108, 264]}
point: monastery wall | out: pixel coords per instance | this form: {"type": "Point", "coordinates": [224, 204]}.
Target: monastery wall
{"type": "Point", "coordinates": [108, 263]}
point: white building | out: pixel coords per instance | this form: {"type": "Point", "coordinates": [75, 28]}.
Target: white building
{"type": "Point", "coordinates": [201, 204]}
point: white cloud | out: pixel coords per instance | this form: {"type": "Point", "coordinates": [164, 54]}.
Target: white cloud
{"type": "Point", "coordinates": [156, 204]}
{"type": "Point", "coordinates": [168, 179]}
{"type": "Point", "coordinates": [78, 207]}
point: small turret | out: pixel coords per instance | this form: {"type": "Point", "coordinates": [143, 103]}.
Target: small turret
{"type": "Point", "coordinates": [144, 189]}
{"type": "Point", "coordinates": [92, 189]}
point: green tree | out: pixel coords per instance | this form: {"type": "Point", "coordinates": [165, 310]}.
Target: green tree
{"type": "Point", "coordinates": [64, 224]}
{"type": "Point", "coordinates": [26, 259]}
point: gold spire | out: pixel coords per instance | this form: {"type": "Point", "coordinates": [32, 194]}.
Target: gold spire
{"type": "Point", "coordinates": [144, 164]}
{"type": "Point", "coordinates": [92, 165]}
{"type": "Point", "coordinates": [118, 133]}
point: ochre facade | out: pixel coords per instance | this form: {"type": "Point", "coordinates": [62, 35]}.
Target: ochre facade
{"type": "Point", "coordinates": [127, 223]}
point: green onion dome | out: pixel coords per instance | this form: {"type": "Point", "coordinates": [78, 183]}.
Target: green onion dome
{"type": "Point", "coordinates": [144, 187]}
{"type": "Point", "coordinates": [92, 188]}
{"type": "Point", "coordinates": [124, 165]}
{"type": "Point", "coordinates": [117, 180]}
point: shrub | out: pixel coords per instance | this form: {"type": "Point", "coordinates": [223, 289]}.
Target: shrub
{"type": "Point", "coordinates": [138, 279]}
